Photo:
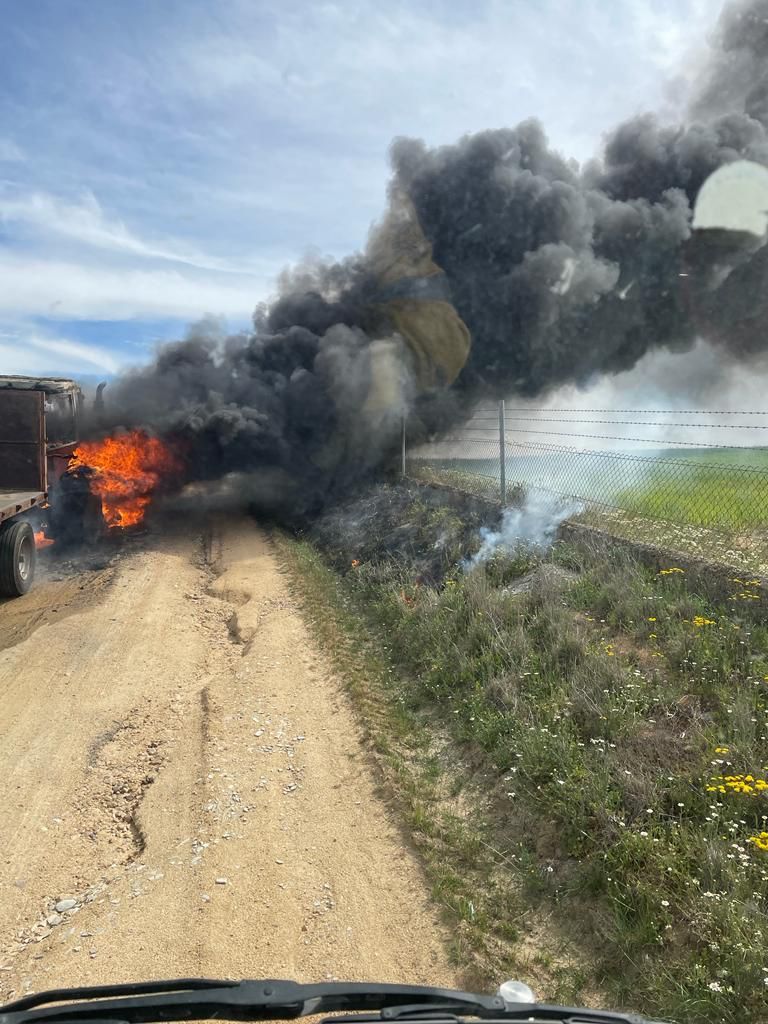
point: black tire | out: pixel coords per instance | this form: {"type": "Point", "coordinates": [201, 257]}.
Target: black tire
{"type": "Point", "coordinates": [18, 558]}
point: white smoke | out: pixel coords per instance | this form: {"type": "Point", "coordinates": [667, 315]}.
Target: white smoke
{"type": "Point", "coordinates": [534, 524]}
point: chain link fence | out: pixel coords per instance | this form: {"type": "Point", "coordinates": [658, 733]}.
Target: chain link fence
{"type": "Point", "coordinates": [694, 480]}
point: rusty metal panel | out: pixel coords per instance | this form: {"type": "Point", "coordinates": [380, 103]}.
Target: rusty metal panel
{"type": "Point", "coordinates": [22, 441]}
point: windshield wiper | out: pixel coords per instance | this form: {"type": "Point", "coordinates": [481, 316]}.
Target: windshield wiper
{"type": "Point", "coordinates": [205, 999]}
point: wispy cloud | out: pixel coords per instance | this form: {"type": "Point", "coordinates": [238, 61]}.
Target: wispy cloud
{"type": "Point", "coordinates": [85, 222]}
{"type": "Point", "coordinates": [34, 353]}
{"type": "Point", "coordinates": [74, 351]}
{"type": "Point", "coordinates": [69, 290]}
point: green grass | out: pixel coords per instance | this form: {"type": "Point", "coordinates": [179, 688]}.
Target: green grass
{"type": "Point", "coordinates": [704, 497]}
{"type": "Point", "coordinates": [595, 711]}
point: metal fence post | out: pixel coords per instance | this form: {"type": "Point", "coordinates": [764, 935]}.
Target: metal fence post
{"type": "Point", "coordinates": [502, 455]}
{"type": "Point", "coordinates": [403, 465]}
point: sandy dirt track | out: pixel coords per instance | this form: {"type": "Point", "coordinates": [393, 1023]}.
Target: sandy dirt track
{"type": "Point", "coordinates": [178, 759]}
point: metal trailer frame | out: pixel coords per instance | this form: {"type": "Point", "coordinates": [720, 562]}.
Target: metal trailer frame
{"type": "Point", "coordinates": [29, 464]}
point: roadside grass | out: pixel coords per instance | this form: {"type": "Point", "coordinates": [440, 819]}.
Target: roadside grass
{"type": "Point", "coordinates": [617, 722]}
{"type": "Point", "coordinates": [444, 798]}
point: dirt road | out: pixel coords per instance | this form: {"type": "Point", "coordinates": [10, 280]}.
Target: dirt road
{"type": "Point", "coordinates": [180, 766]}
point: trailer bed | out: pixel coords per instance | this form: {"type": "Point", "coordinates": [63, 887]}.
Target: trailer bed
{"type": "Point", "coordinates": [13, 502]}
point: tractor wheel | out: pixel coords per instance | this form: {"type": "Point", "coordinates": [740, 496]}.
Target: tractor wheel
{"type": "Point", "coordinates": [18, 558]}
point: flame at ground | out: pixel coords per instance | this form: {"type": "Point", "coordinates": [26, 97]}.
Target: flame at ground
{"type": "Point", "coordinates": [41, 541]}
{"type": "Point", "coordinates": [125, 472]}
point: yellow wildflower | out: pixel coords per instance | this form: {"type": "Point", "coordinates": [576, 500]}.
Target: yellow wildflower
{"type": "Point", "coordinates": [747, 785]}
{"type": "Point", "coordinates": [760, 841]}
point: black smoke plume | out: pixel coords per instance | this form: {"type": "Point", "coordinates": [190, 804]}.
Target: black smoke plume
{"type": "Point", "coordinates": [560, 274]}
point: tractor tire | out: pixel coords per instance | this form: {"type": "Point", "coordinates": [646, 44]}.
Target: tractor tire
{"type": "Point", "coordinates": [18, 558]}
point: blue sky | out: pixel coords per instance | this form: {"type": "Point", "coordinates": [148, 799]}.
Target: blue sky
{"type": "Point", "coordinates": [165, 159]}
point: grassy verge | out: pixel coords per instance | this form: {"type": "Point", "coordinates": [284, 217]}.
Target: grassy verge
{"type": "Point", "coordinates": [615, 727]}
{"type": "Point", "coordinates": [746, 553]}
{"type": "Point", "coordinates": [445, 798]}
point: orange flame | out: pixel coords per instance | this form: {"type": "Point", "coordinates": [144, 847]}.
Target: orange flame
{"type": "Point", "coordinates": [41, 541]}
{"type": "Point", "coordinates": [125, 473]}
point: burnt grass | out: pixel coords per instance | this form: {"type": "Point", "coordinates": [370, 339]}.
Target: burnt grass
{"type": "Point", "coordinates": [617, 710]}
{"type": "Point", "coordinates": [424, 528]}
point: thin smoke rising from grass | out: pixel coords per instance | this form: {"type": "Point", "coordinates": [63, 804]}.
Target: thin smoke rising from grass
{"type": "Point", "coordinates": [534, 524]}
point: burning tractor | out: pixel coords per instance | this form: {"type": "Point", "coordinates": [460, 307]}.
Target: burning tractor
{"type": "Point", "coordinates": [38, 438]}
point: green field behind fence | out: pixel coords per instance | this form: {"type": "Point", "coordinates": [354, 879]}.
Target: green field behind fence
{"type": "Point", "coordinates": [709, 502]}
{"type": "Point", "coordinates": [725, 489]}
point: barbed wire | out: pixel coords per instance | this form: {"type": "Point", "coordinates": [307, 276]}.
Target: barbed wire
{"type": "Point", "coordinates": [634, 423]}
{"type": "Point", "coordinates": [688, 482]}
{"type": "Point", "coordinates": [650, 460]}
{"type": "Point", "coordinates": [665, 442]}
{"type": "Point", "coordinates": [654, 412]}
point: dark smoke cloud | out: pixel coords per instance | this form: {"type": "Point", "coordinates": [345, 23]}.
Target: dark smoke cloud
{"type": "Point", "coordinates": [286, 406]}
{"type": "Point", "coordinates": [736, 78]}
{"type": "Point", "coordinates": [561, 274]}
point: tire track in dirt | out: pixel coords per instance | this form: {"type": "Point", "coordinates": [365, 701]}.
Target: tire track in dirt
{"type": "Point", "coordinates": [183, 765]}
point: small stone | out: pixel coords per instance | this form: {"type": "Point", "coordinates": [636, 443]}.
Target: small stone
{"type": "Point", "coordinates": [53, 919]}
{"type": "Point", "coordinates": [279, 862]}
{"type": "Point", "coordinates": [205, 898]}
{"type": "Point", "coordinates": [64, 905]}
{"type": "Point", "coordinates": [221, 881]}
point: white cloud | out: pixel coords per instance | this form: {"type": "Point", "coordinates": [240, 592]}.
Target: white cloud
{"type": "Point", "coordinates": [68, 290]}
{"type": "Point", "coordinates": [405, 68]}
{"type": "Point", "coordinates": [30, 353]}
{"type": "Point", "coordinates": [86, 223]}
{"type": "Point", "coordinates": [75, 352]}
